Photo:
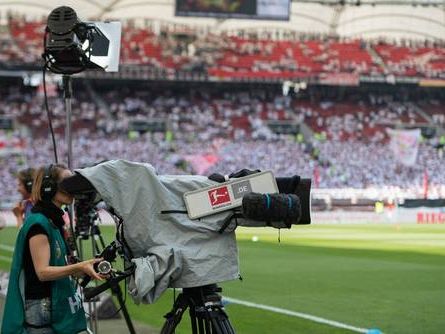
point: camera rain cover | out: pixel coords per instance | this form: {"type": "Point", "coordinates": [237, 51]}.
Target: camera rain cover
{"type": "Point", "coordinates": [169, 249]}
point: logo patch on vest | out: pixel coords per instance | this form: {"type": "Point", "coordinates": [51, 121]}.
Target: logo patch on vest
{"type": "Point", "coordinates": [58, 250]}
{"type": "Point", "coordinates": [75, 303]}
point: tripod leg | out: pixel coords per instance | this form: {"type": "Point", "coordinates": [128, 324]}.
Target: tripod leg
{"type": "Point", "coordinates": [207, 311]}
{"type": "Point", "coordinates": [175, 315]}
{"type": "Point", "coordinates": [96, 233]}
{"type": "Point", "coordinates": [95, 246]}
{"type": "Point", "coordinates": [193, 320]}
{"type": "Point", "coordinates": [228, 326]}
{"type": "Point", "coordinates": [102, 242]}
{"type": "Point", "coordinates": [218, 317]}
{"type": "Point", "coordinates": [200, 325]}
{"type": "Point", "coordinates": [216, 326]}
{"type": "Point", "coordinates": [208, 324]}
{"type": "Point", "coordinates": [116, 289]}
{"type": "Point", "coordinates": [224, 326]}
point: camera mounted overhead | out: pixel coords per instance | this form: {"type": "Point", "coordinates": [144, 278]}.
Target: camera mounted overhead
{"type": "Point", "coordinates": [72, 46]}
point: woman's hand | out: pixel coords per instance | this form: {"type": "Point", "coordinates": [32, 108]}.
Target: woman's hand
{"type": "Point", "coordinates": [87, 267]}
{"type": "Point", "coordinates": [18, 210]}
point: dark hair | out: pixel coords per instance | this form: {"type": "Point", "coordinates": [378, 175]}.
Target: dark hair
{"type": "Point", "coordinates": [53, 171]}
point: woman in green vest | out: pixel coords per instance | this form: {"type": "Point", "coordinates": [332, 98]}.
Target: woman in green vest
{"type": "Point", "coordinates": [42, 296]}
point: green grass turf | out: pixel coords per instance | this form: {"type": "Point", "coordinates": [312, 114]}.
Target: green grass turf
{"type": "Point", "coordinates": [390, 277]}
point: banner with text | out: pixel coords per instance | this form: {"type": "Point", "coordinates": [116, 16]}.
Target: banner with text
{"type": "Point", "coordinates": [405, 145]}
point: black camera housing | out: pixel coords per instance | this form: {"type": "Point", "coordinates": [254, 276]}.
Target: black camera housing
{"type": "Point", "coordinates": [69, 42]}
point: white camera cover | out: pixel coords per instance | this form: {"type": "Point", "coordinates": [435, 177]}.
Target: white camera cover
{"type": "Point", "coordinates": [169, 249]}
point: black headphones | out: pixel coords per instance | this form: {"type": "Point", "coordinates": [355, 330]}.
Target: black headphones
{"type": "Point", "coordinates": [28, 186]}
{"type": "Point", "coordinates": [49, 185]}
{"type": "Point", "coordinates": [28, 179]}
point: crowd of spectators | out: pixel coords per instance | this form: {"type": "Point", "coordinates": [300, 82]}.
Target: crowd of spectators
{"type": "Point", "coordinates": [366, 119]}
{"type": "Point", "coordinates": [202, 114]}
{"type": "Point", "coordinates": [25, 106]}
{"type": "Point", "coordinates": [348, 164]}
{"type": "Point", "coordinates": [412, 58]}
{"type": "Point", "coordinates": [245, 55]}
{"type": "Point", "coordinates": [231, 126]}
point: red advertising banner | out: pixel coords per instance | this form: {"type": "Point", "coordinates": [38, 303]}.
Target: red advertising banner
{"type": "Point", "coordinates": [424, 217]}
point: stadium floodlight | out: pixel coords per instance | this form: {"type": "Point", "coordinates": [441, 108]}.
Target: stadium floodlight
{"type": "Point", "coordinates": [72, 46]}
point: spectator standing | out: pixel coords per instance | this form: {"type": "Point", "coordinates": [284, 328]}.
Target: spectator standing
{"type": "Point", "coordinates": [24, 186]}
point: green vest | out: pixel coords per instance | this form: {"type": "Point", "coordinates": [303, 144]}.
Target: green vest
{"type": "Point", "coordinates": [67, 314]}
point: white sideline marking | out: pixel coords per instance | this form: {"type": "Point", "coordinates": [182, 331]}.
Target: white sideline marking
{"type": "Point", "coordinates": [297, 314]}
{"type": "Point", "coordinates": [253, 305]}
{"type": "Point", "coordinates": [7, 248]}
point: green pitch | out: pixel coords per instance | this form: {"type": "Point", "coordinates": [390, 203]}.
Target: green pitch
{"type": "Point", "coordinates": [390, 277]}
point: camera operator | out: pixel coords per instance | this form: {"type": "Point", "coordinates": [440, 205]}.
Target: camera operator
{"type": "Point", "coordinates": [41, 295]}
{"type": "Point", "coordinates": [24, 186]}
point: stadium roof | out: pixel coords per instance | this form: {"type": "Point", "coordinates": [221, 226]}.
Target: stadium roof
{"type": "Point", "coordinates": [415, 19]}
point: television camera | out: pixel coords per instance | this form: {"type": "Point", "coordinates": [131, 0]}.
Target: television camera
{"type": "Point", "coordinates": [162, 247]}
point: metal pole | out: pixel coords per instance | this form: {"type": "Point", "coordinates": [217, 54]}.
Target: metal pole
{"type": "Point", "coordinates": [93, 315]}
{"type": "Point", "coordinates": [68, 94]}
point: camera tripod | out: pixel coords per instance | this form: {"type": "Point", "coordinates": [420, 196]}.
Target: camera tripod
{"type": "Point", "coordinates": [108, 254]}
{"type": "Point", "coordinates": [206, 311]}
{"type": "Point", "coordinates": [91, 231]}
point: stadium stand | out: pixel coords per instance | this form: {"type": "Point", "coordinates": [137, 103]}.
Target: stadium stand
{"type": "Point", "coordinates": [233, 123]}
{"type": "Point", "coordinates": [355, 92]}
{"type": "Point", "coordinates": [330, 94]}
{"type": "Point", "coordinates": [253, 56]}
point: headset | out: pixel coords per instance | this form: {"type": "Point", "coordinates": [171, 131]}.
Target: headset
{"type": "Point", "coordinates": [49, 185]}
{"type": "Point", "coordinates": [28, 180]}
{"type": "Point", "coordinates": [28, 186]}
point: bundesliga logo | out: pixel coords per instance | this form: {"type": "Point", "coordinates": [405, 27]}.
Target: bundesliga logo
{"type": "Point", "coordinates": [219, 196]}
